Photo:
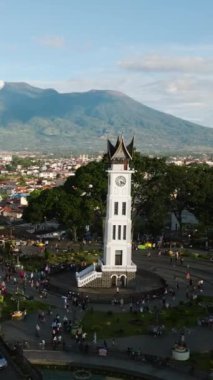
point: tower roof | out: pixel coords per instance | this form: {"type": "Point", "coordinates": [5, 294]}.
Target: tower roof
{"type": "Point", "coordinates": [120, 151]}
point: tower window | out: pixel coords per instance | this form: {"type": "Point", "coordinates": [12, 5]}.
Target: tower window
{"type": "Point", "coordinates": [115, 208]}
{"type": "Point", "coordinates": [119, 232]}
{"type": "Point", "coordinates": [118, 257]}
{"type": "Point", "coordinates": [124, 232]}
{"type": "Point", "coordinates": [123, 208]}
{"type": "Point", "coordinates": [114, 232]}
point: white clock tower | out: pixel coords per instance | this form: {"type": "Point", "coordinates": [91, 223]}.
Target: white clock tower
{"type": "Point", "coordinates": [118, 268]}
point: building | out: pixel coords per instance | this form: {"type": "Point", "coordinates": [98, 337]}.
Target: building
{"type": "Point", "coordinates": [188, 220]}
{"type": "Point", "coordinates": [116, 268]}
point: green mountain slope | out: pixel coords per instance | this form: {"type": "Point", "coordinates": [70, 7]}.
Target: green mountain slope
{"type": "Point", "coordinates": [36, 119]}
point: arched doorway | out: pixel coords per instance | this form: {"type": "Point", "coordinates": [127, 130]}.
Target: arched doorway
{"type": "Point", "coordinates": [114, 280]}
{"type": "Point", "coordinates": [123, 280]}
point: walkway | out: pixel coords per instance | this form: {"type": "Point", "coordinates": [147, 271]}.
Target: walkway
{"type": "Point", "coordinates": [109, 363]}
{"type": "Point", "coordinates": [199, 338]}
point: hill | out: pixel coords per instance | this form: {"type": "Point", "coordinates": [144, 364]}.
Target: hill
{"type": "Point", "coordinates": [45, 120]}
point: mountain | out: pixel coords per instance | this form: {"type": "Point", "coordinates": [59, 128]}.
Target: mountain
{"type": "Point", "coordinates": [45, 120]}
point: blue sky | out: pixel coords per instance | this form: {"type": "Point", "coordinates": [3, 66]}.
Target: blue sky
{"type": "Point", "coordinates": [159, 52]}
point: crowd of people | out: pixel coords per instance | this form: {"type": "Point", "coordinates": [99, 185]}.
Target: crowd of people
{"type": "Point", "coordinates": [63, 325]}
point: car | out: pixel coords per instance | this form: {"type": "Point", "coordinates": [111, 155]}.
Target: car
{"type": "Point", "coordinates": [3, 362]}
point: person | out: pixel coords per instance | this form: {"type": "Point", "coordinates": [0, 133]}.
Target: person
{"type": "Point", "coordinates": [182, 341]}
{"type": "Point", "coordinates": [54, 341]}
{"type": "Point", "coordinates": [37, 330]}
{"type": "Point", "coordinates": [59, 340]}
{"type": "Point", "coordinates": [65, 322]}
{"type": "Point", "coordinates": [42, 316]}
{"type": "Point", "coordinates": [84, 335]}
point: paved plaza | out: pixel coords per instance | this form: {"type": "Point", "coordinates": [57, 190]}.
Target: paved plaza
{"type": "Point", "coordinates": [199, 339]}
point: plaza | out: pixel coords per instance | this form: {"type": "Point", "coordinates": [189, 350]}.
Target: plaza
{"type": "Point", "coordinates": [198, 338]}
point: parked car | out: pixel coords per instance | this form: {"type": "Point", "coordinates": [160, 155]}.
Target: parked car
{"type": "Point", "coordinates": [3, 362]}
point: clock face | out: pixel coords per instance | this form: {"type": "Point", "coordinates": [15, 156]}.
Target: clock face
{"type": "Point", "coordinates": [120, 180]}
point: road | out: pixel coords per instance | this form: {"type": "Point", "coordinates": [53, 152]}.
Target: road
{"type": "Point", "coordinates": [10, 372]}
{"type": "Point", "coordinates": [199, 269]}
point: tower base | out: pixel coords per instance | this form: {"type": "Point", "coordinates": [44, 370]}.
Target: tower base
{"type": "Point", "coordinates": [118, 279]}
{"type": "Point", "coordinates": [112, 279]}
{"type": "Point", "coordinates": [144, 283]}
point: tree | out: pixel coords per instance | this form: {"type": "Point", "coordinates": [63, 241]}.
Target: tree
{"type": "Point", "coordinates": [201, 199]}
{"type": "Point", "coordinates": [89, 186]}
{"type": "Point", "coordinates": [34, 213]}
{"type": "Point", "coordinates": [190, 189]}
{"type": "Point", "coordinates": [158, 189]}
{"type": "Point", "coordinates": [149, 193]}
{"type": "Point", "coordinates": [80, 202]}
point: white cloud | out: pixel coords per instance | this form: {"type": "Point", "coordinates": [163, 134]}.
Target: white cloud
{"type": "Point", "coordinates": [1, 84]}
{"type": "Point", "coordinates": [55, 42]}
{"type": "Point", "coordinates": [160, 63]}
{"type": "Point", "coordinates": [188, 97]}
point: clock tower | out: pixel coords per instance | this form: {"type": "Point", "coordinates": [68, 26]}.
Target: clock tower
{"type": "Point", "coordinates": [118, 268]}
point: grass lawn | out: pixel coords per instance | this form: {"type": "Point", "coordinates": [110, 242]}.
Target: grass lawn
{"type": "Point", "coordinates": [118, 324]}
{"type": "Point", "coordinates": [203, 361]}
{"type": "Point", "coordinates": [196, 254]}
{"type": "Point", "coordinates": [185, 315]}
{"type": "Point", "coordinates": [38, 262]}
{"type": "Point", "coordinates": [74, 257]}
{"type": "Point", "coordinates": [10, 305]}
{"type": "Point", "coordinates": [108, 324]}
{"type": "Point", "coordinates": [33, 263]}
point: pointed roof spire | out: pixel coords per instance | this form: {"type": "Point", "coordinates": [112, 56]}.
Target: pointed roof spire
{"type": "Point", "coordinates": [120, 151]}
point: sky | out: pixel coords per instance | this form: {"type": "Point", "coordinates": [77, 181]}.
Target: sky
{"type": "Point", "coordinates": [159, 52]}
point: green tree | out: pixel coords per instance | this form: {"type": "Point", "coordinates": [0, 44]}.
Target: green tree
{"type": "Point", "coordinates": [89, 185]}
{"type": "Point", "coordinates": [34, 213]}
{"type": "Point", "coordinates": [158, 189]}
{"type": "Point", "coordinates": [80, 202]}
{"type": "Point", "coordinates": [149, 194]}
{"type": "Point", "coordinates": [190, 188]}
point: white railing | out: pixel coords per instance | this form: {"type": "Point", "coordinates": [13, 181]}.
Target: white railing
{"type": "Point", "coordinates": [85, 271]}
{"type": "Point", "coordinates": [119, 268]}
{"type": "Point", "coordinates": [83, 280]}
